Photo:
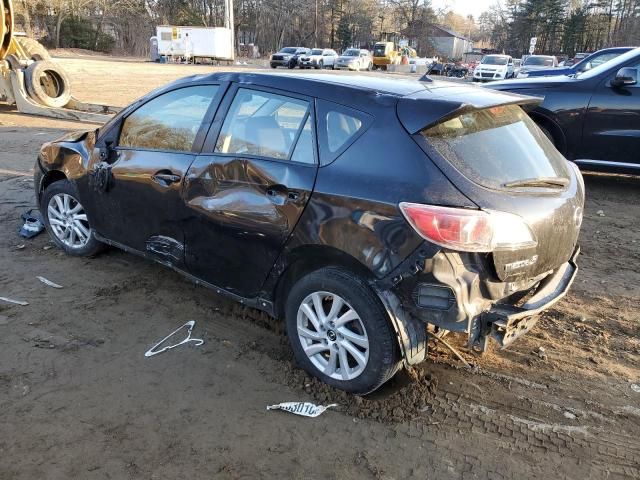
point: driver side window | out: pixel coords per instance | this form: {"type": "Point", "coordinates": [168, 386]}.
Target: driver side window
{"type": "Point", "coordinates": [168, 122]}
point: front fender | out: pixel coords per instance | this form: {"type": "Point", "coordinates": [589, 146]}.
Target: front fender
{"type": "Point", "coordinates": [69, 154]}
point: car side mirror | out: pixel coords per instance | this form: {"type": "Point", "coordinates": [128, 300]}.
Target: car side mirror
{"type": "Point", "coordinates": [106, 151]}
{"type": "Point", "coordinates": [624, 77]}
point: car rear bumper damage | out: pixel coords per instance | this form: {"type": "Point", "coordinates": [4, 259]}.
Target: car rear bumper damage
{"type": "Point", "coordinates": [459, 293]}
{"type": "Point", "coordinates": [505, 323]}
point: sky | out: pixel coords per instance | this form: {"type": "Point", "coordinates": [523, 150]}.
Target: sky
{"type": "Point", "coordinates": [464, 7]}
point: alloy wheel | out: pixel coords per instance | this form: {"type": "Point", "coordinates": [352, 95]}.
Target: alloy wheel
{"type": "Point", "coordinates": [68, 220]}
{"type": "Point", "coordinates": [332, 336]}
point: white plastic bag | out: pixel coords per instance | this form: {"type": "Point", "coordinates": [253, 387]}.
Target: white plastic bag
{"type": "Point", "coordinates": [305, 409]}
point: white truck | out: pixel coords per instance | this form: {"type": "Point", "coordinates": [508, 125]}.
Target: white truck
{"type": "Point", "coordinates": [192, 43]}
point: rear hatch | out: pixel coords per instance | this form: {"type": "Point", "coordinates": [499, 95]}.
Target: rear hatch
{"type": "Point", "coordinates": [494, 153]}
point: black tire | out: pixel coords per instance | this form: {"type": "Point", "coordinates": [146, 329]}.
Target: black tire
{"type": "Point", "coordinates": [273, 66]}
{"type": "Point", "coordinates": [383, 350]}
{"type": "Point", "coordinates": [320, 65]}
{"type": "Point", "coordinates": [34, 49]}
{"type": "Point", "coordinates": [48, 84]}
{"type": "Point", "coordinates": [92, 246]}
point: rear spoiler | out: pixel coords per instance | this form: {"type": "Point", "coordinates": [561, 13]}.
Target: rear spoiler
{"type": "Point", "coordinates": [427, 107]}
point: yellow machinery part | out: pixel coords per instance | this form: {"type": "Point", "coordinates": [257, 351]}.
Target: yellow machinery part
{"type": "Point", "coordinates": [8, 44]}
{"type": "Point", "coordinates": [6, 27]}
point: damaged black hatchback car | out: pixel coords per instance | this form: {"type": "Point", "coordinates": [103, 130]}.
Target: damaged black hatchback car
{"type": "Point", "coordinates": [366, 212]}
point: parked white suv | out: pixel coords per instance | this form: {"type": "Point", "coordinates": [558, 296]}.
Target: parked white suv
{"type": "Point", "coordinates": [494, 67]}
{"type": "Point", "coordinates": [319, 58]}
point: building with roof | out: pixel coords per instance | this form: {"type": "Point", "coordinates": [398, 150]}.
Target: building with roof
{"type": "Point", "coordinates": [448, 44]}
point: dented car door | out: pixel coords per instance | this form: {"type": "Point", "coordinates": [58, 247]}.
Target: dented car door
{"type": "Point", "coordinates": [141, 205]}
{"type": "Point", "coordinates": [248, 188]}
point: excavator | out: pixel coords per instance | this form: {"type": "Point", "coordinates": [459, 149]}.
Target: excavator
{"type": "Point", "coordinates": [35, 84]}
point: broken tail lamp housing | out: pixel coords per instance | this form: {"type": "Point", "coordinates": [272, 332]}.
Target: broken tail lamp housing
{"type": "Point", "coordinates": [469, 230]}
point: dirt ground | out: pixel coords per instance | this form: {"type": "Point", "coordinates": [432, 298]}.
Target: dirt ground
{"type": "Point", "coordinates": [78, 399]}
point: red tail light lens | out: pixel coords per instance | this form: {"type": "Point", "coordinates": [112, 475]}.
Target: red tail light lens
{"type": "Point", "coordinates": [468, 230]}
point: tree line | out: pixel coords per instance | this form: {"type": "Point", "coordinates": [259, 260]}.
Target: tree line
{"type": "Point", "coordinates": [561, 26]}
{"type": "Point", "coordinates": [124, 26]}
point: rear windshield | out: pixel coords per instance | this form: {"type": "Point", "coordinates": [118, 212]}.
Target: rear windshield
{"type": "Point", "coordinates": [496, 146]}
{"type": "Point", "coordinates": [491, 60]}
{"type": "Point", "coordinates": [539, 61]}
{"type": "Point", "coordinates": [351, 53]}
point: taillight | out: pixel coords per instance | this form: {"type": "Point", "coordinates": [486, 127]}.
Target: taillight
{"type": "Point", "coordinates": [469, 230]}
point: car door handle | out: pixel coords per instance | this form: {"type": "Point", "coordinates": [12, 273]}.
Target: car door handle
{"type": "Point", "coordinates": [165, 179]}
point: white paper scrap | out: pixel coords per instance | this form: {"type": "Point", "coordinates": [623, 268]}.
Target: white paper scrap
{"type": "Point", "coordinates": [301, 408]}
{"type": "Point", "coordinates": [11, 300]}
{"type": "Point", "coordinates": [48, 282]}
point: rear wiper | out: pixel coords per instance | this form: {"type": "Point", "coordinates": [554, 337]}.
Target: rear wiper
{"type": "Point", "coordinates": [538, 182]}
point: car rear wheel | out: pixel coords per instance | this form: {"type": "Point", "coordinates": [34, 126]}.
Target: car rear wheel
{"type": "Point", "coordinates": [340, 332]}
{"type": "Point", "coordinates": [66, 220]}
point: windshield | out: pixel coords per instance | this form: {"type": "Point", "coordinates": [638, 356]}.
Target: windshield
{"type": "Point", "coordinates": [302, 50]}
{"type": "Point", "coordinates": [288, 50]}
{"type": "Point", "coordinates": [595, 60]}
{"type": "Point", "coordinates": [497, 146]}
{"type": "Point", "coordinates": [494, 60]}
{"type": "Point", "coordinates": [352, 52]}
{"type": "Point", "coordinates": [539, 61]}
{"type": "Point", "coordinates": [378, 50]}
{"type": "Point", "coordinates": [612, 64]}
{"type": "Point", "coordinates": [316, 51]}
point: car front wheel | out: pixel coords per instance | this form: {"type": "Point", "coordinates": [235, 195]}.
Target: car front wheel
{"type": "Point", "coordinates": [340, 332]}
{"type": "Point", "coordinates": [66, 220]}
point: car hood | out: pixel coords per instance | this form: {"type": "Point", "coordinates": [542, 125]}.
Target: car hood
{"type": "Point", "coordinates": [549, 71]}
{"type": "Point", "coordinates": [531, 83]}
{"type": "Point", "coordinates": [346, 58]}
{"type": "Point", "coordinates": [534, 68]}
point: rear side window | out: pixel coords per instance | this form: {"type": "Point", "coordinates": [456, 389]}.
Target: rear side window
{"type": "Point", "coordinates": [170, 121]}
{"type": "Point", "coordinates": [497, 146]}
{"type": "Point", "coordinates": [338, 128]}
{"type": "Point", "coordinates": [262, 124]}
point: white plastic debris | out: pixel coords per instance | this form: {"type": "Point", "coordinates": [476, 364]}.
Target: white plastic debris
{"type": "Point", "coordinates": [305, 409]}
{"type": "Point", "coordinates": [197, 341]}
{"type": "Point", "coordinates": [17, 302]}
{"type": "Point", "coordinates": [48, 282]}
{"type": "Point", "coordinates": [635, 387]}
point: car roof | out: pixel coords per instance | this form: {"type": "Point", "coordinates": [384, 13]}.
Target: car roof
{"type": "Point", "coordinates": [309, 82]}
{"type": "Point", "coordinates": [370, 92]}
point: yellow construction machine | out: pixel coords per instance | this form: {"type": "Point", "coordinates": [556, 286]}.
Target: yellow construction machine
{"type": "Point", "coordinates": [34, 83]}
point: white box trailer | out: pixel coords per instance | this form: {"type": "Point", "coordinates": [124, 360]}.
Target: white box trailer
{"type": "Point", "coordinates": [195, 42]}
